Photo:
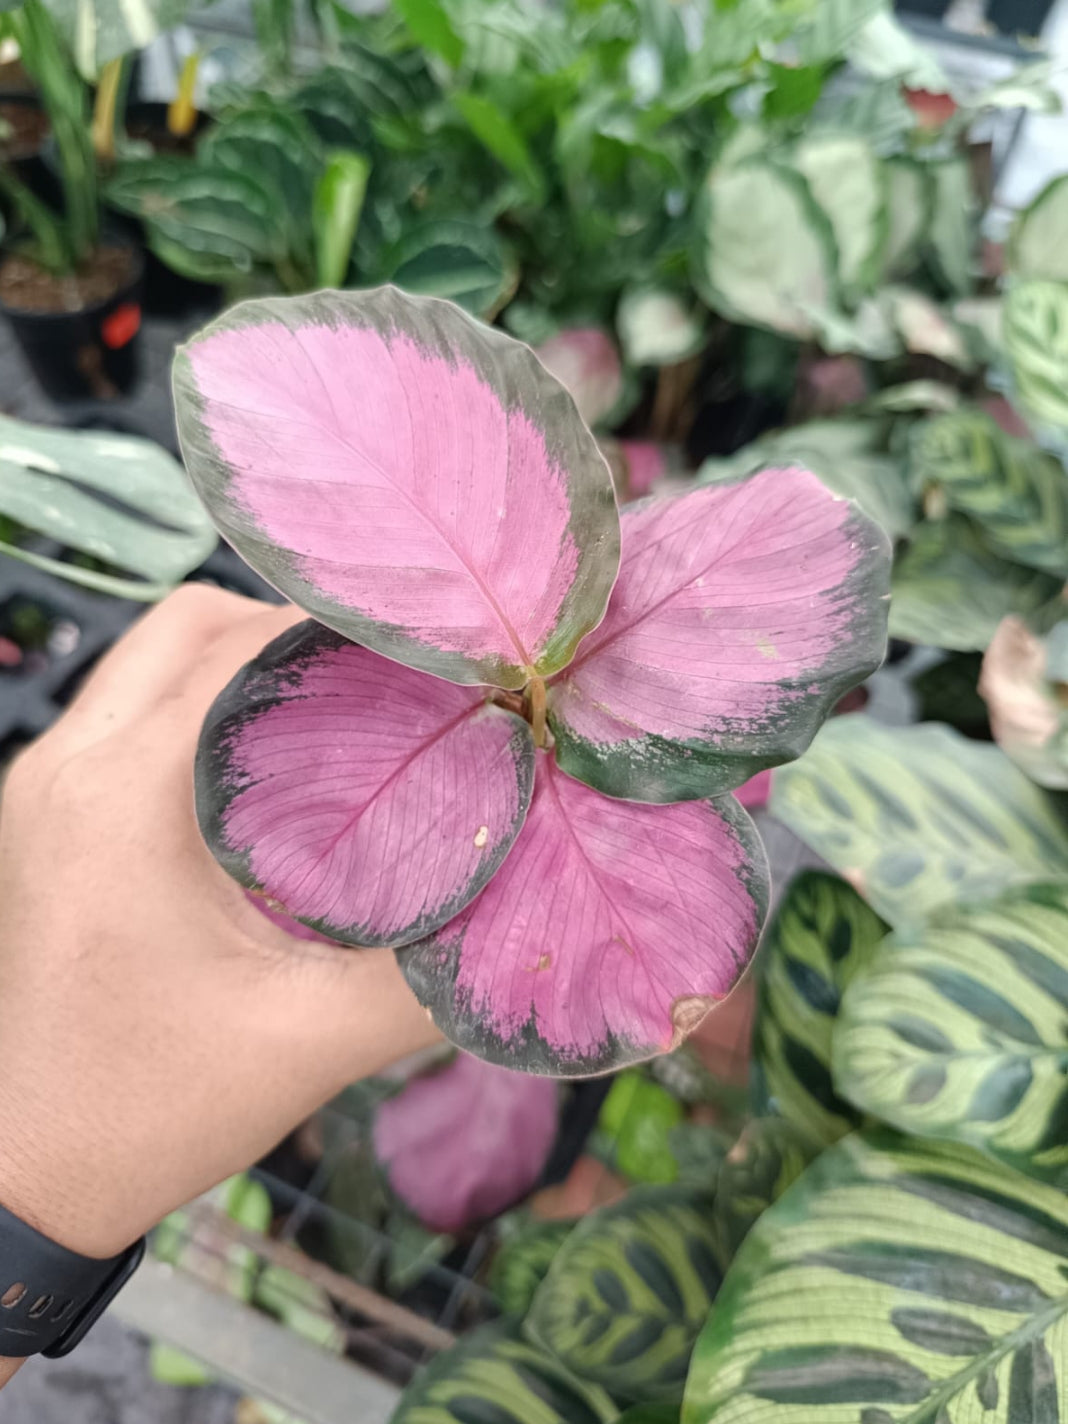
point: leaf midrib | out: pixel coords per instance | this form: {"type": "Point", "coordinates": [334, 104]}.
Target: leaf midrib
{"type": "Point", "coordinates": [1032, 1328]}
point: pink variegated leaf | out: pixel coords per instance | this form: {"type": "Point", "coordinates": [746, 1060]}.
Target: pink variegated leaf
{"type": "Point", "coordinates": [366, 800]}
{"type": "Point", "coordinates": [607, 934]}
{"type": "Point", "coordinates": [741, 614]}
{"type": "Point", "coordinates": [466, 1142]}
{"type": "Point", "coordinates": [585, 360]}
{"type": "Point", "coordinates": [406, 475]}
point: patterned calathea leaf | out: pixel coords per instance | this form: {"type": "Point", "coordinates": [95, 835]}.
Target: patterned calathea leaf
{"type": "Point", "coordinates": [1024, 681]}
{"type": "Point", "coordinates": [466, 263]}
{"type": "Point", "coordinates": [380, 458]}
{"type": "Point", "coordinates": [915, 817]}
{"type": "Point", "coordinates": [823, 933]}
{"type": "Point", "coordinates": [323, 766]}
{"type": "Point", "coordinates": [1015, 492]}
{"type": "Point", "coordinates": [952, 232]}
{"type": "Point", "coordinates": [653, 914]}
{"type": "Point", "coordinates": [847, 181]}
{"type": "Point", "coordinates": [492, 1374]}
{"type": "Point", "coordinates": [522, 1262]}
{"type": "Point", "coordinates": [949, 589]}
{"type": "Point", "coordinates": [1036, 246]}
{"type": "Point", "coordinates": [658, 327]}
{"type": "Point", "coordinates": [767, 1158]}
{"type": "Point", "coordinates": [776, 590]}
{"type": "Point", "coordinates": [908, 211]}
{"type": "Point", "coordinates": [959, 1030]}
{"type": "Point", "coordinates": [630, 1289]}
{"type": "Point", "coordinates": [740, 264]}
{"type": "Point", "coordinates": [1036, 343]}
{"type": "Point", "coordinates": [897, 1281]}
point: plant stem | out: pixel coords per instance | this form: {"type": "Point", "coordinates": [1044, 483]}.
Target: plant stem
{"type": "Point", "coordinates": [182, 113]}
{"type": "Point", "coordinates": [107, 93]}
{"type": "Point", "coordinates": [50, 239]}
{"type": "Point", "coordinates": [536, 695]}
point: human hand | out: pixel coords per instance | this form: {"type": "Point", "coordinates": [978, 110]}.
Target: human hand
{"type": "Point", "coordinates": [157, 1033]}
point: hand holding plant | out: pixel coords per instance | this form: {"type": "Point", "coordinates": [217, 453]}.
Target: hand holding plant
{"type": "Point", "coordinates": [449, 783]}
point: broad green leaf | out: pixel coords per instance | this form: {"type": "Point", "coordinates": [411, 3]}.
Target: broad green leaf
{"type": "Point", "coordinates": [431, 26]}
{"type": "Point", "coordinates": [522, 1262]}
{"type": "Point", "coordinates": [741, 265]}
{"type": "Point", "coordinates": [950, 591]}
{"type": "Point", "coordinates": [628, 1292]}
{"type": "Point", "coordinates": [209, 224]}
{"type": "Point", "coordinates": [925, 328]}
{"type": "Point", "coordinates": [657, 327]}
{"type": "Point", "coordinates": [909, 199]}
{"type": "Point", "coordinates": [462, 262]}
{"type": "Point", "coordinates": [923, 395]}
{"type": "Point", "coordinates": [822, 935]}
{"type": "Point", "coordinates": [1037, 249]}
{"type": "Point", "coordinates": [915, 817]}
{"type": "Point", "coordinates": [959, 1030]}
{"type": "Point", "coordinates": [952, 226]}
{"type": "Point", "coordinates": [499, 136]}
{"type": "Point", "coordinates": [885, 49]}
{"type": "Point", "coordinates": [1015, 492]}
{"type": "Point", "coordinates": [102, 30]}
{"type": "Point", "coordinates": [1036, 344]}
{"type": "Point", "coordinates": [336, 208]}
{"type": "Point", "coordinates": [1026, 693]}
{"type": "Point", "coordinates": [826, 28]}
{"type": "Point", "coordinates": [846, 180]}
{"type": "Point", "coordinates": [344, 436]}
{"type": "Point", "coordinates": [846, 455]}
{"type": "Point", "coordinates": [764, 1162]}
{"type": "Point", "coordinates": [637, 1119]}
{"type": "Point", "coordinates": [115, 497]}
{"type": "Point", "coordinates": [898, 1282]}
{"type": "Point", "coordinates": [493, 1375]}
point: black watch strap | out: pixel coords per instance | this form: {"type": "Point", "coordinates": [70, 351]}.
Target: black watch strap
{"type": "Point", "coordinates": [49, 1296]}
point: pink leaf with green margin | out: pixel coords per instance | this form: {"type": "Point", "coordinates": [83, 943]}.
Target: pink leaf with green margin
{"type": "Point", "coordinates": [366, 800]}
{"type": "Point", "coordinates": [608, 932]}
{"type": "Point", "coordinates": [741, 614]}
{"type": "Point", "coordinates": [467, 1142]}
{"type": "Point", "coordinates": [585, 360]}
{"type": "Point", "coordinates": [406, 475]}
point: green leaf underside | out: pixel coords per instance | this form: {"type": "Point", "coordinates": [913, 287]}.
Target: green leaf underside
{"type": "Point", "coordinates": [898, 1282]}
{"type": "Point", "coordinates": [960, 1030]}
{"type": "Point", "coordinates": [916, 817]}
{"type": "Point", "coordinates": [493, 1377]}
{"type": "Point", "coordinates": [822, 935]}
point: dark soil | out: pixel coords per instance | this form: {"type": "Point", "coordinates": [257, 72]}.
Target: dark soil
{"type": "Point", "coordinates": [26, 127]}
{"type": "Point", "coordinates": [24, 286]}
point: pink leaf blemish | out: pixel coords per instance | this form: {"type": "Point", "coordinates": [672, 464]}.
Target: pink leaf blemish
{"type": "Point", "coordinates": [635, 907]}
{"type": "Point", "coordinates": [371, 799]}
{"type": "Point", "coordinates": [402, 484]}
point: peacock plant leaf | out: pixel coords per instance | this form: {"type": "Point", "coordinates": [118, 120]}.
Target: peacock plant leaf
{"type": "Point", "coordinates": [1036, 245]}
{"type": "Point", "coordinates": [492, 1374]}
{"type": "Point", "coordinates": [488, 1133]}
{"type": "Point", "coordinates": [1036, 344]}
{"type": "Point", "coordinates": [898, 1280]}
{"type": "Point", "coordinates": [1015, 492]}
{"type": "Point", "coordinates": [770, 593]}
{"type": "Point", "coordinates": [1026, 693]}
{"type": "Point", "coordinates": [823, 933]}
{"type": "Point", "coordinates": [605, 937]}
{"type": "Point", "coordinates": [959, 1030]}
{"type": "Point", "coordinates": [382, 459]}
{"type": "Point", "coordinates": [916, 817]}
{"type": "Point", "coordinates": [362, 798]}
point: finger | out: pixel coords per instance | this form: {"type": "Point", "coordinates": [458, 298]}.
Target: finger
{"type": "Point", "coordinates": [159, 653]}
{"type": "Point", "coordinates": [226, 655]}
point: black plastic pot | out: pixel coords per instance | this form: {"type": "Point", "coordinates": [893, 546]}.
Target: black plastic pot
{"type": "Point", "coordinates": [88, 354]}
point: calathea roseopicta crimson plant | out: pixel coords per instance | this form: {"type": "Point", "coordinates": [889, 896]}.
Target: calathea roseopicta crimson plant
{"type": "Point", "coordinates": [502, 742]}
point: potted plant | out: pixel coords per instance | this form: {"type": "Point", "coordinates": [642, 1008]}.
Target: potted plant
{"type": "Point", "coordinates": [69, 287]}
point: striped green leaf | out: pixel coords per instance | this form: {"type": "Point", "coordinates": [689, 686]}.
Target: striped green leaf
{"type": "Point", "coordinates": [822, 935]}
{"type": "Point", "coordinates": [494, 1377]}
{"type": "Point", "coordinates": [464, 262]}
{"type": "Point", "coordinates": [1015, 492]}
{"type": "Point", "coordinates": [919, 816]}
{"type": "Point", "coordinates": [950, 590]}
{"type": "Point", "coordinates": [522, 1262]}
{"type": "Point", "coordinates": [1036, 246]}
{"type": "Point", "coordinates": [1036, 343]}
{"type": "Point", "coordinates": [898, 1282]}
{"type": "Point", "coordinates": [625, 1297]}
{"type": "Point", "coordinates": [959, 1030]}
